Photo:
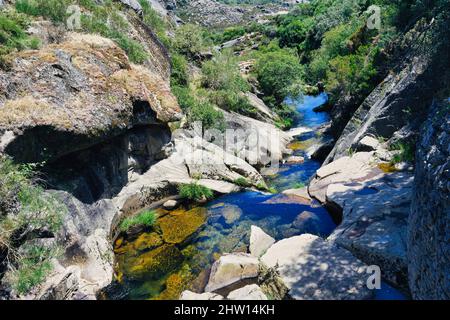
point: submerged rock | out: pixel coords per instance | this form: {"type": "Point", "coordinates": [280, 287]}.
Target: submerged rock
{"type": "Point", "coordinates": [178, 228]}
{"type": "Point", "coordinates": [249, 292]}
{"type": "Point", "coordinates": [259, 241]}
{"type": "Point", "coordinates": [231, 213]}
{"type": "Point", "coordinates": [231, 268]}
{"type": "Point", "coordinates": [154, 263]}
{"type": "Point", "coordinates": [147, 241]}
{"type": "Point", "coordinates": [313, 268]}
{"type": "Point", "coordinates": [307, 222]}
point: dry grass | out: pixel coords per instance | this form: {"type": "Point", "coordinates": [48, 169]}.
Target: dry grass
{"type": "Point", "coordinates": [30, 111]}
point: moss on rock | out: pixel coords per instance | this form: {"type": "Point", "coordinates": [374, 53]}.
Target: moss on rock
{"type": "Point", "coordinates": [177, 228]}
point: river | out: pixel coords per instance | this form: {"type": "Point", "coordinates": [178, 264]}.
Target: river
{"type": "Point", "coordinates": [158, 263]}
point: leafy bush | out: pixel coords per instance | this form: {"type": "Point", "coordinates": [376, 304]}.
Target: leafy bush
{"type": "Point", "coordinates": [406, 152]}
{"type": "Point", "coordinates": [232, 33]}
{"type": "Point", "coordinates": [24, 209]}
{"type": "Point", "coordinates": [232, 101]}
{"type": "Point", "coordinates": [13, 36]}
{"type": "Point", "coordinates": [195, 191]}
{"type": "Point", "coordinates": [222, 73]}
{"type": "Point", "coordinates": [33, 268]}
{"type": "Point", "coordinates": [146, 218]}
{"type": "Point", "coordinates": [205, 112]}
{"type": "Point", "coordinates": [295, 32]}
{"type": "Point", "coordinates": [279, 74]}
{"type": "Point", "coordinates": [188, 40]}
{"type": "Point", "coordinates": [198, 110]}
{"type": "Point", "coordinates": [180, 74]}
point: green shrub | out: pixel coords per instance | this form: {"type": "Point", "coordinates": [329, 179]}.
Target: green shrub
{"type": "Point", "coordinates": [205, 112]}
{"type": "Point", "coordinates": [185, 98]}
{"type": "Point", "coordinates": [406, 152]}
{"type": "Point", "coordinates": [242, 182]}
{"type": "Point", "coordinates": [232, 101]}
{"type": "Point", "coordinates": [180, 74]}
{"type": "Point", "coordinates": [222, 73]}
{"type": "Point", "coordinates": [196, 192]}
{"type": "Point", "coordinates": [33, 267]}
{"type": "Point", "coordinates": [146, 218]}
{"type": "Point", "coordinates": [13, 36]}
{"type": "Point", "coordinates": [295, 32]}
{"type": "Point", "coordinates": [55, 10]}
{"type": "Point", "coordinates": [232, 33]}
{"type": "Point", "coordinates": [37, 210]}
{"type": "Point", "coordinates": [188, 40]}
{"type": "Point", "coordinates": [279, 74]}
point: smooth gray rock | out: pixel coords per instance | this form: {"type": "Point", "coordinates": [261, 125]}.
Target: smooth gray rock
{"type": "Point", "coordinates": [231, 268]}
{"type": "Point", "coordinates": [259, 241]}
{"type": "Point", "coordinates": [170, 204]}
{"type": "Point", "coordinates": [312, 268]}
{"type": "Point", "coordinates": [189, 295]}
{"type": "Point", "coordinates": [249, 292]}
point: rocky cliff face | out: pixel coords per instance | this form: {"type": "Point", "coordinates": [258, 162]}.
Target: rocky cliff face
{"type": "Point", "coordinates": [429, 221]}
{"type": "Point", "coordinates": [390, 217]}
{"type": "Point", "coordinates": [398, 106]}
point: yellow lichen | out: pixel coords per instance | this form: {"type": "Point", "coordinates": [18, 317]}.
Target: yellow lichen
{"type": "Point", "coordinates": [147, 241]}
{"type": "Point", "coordinates": [177, 228]}
{"type": "Point", "coordinates": [301, 145]}
{"type": "Point", "coordinates": [153, 263]}
{"type": "Point", "coordinates": [387, 167]}
{"type": "Point", "coordinates": [175, 284]}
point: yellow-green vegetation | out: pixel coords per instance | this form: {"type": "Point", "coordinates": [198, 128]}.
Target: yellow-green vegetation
{"type": "Point", "coordinates": [176, 283]}
{"type": "Point", "coordinates": [145, 219]}
{"type": "Point", "coordinates": [338, 48]}
{"type": "Point", "coordinates": [155, 263]}
{"type": "Point", "coordinates": [194, 191]}
{"type": "Point", "coordinates": [105, 19]}
{"type": "Point", "coordinates": [24, 209]}
{"type": "Point", "coordinates": [13, 36]}
{"type": "Point", "coordinates": [405, 152]}
{"type": "Point", "coordinates": [177, 228]}
{"type": "Point", "coordinates": [242, 182]}
{"type": "Point", "coordinates": [189, 40]}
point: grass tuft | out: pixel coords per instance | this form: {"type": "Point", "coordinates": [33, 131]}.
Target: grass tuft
{"type": "Point", "coordinates": [146, 218]}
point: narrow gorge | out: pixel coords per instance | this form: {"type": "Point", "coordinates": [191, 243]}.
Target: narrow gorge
{"type": "Point", "coordinates": [202, 150]}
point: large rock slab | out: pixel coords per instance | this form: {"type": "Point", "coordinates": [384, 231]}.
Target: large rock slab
{"type": "Point", "coordinates": [313, 268]}
{"type": "Point", "coordinates": [59, 101]}
{"type": "Point", "coordinates": [249, 292]}
{"type": "Point", "coordinates": [259, 241]}
{"type": "Point", "coordinates": [231, 268]}
{"type": "Point", "coordinates": [374, 208]}
{"type": "Point", "coordinates": [348, 169]}
{"type": "Point", "coordinates": [374, 226]}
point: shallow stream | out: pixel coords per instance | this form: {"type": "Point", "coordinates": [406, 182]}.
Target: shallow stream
{"type": "Point", "coordinates": [179, 251]}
